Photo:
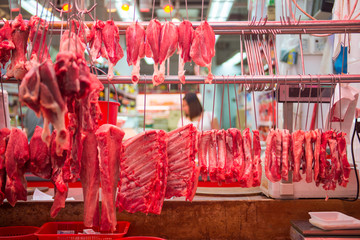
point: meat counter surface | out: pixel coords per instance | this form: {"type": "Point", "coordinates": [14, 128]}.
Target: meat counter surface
{"type": "Point", "coordinates": [207, 217]}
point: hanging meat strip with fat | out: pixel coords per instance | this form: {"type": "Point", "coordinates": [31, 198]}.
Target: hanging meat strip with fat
{"type": "Point", "coordinates": [4, 137]}
{"type": "Point", "coordinates": [16, 158]}
{"type": "Point", "coordinates": [275, 167]}
{"type": "Point", "coordinates": [152, 45]}
{"type": "Point", "coordinates": [317, 155]}
{"type": "Point", "coordinates": [286, 141]}
{"type": "Point", "coordinates": [334, 172]}
{"type": "Point", "coordinates": [186, 36]}
{"type": "Point", "coordinates": [38, 28]}
{"type": "Point", "coordinates": [229, 160]}
{"type": "Point", "coordinates": [114, 52]}
{"type": "Point", "coordinates": [20, 33]}
{"type": "Point", "coordinates": [257, 168]}
{"type": "Point", "coordinates": [221, 157]}
{"type": "Point", "coordinates": [310, 136]}
{"type": "Point", "coordinates": [95, 40]}
{"type": "Point", "coordinates": [204, 141]}
{"type": "Point", "coordinates": [269, 155]}
{"type": "Point", "coordinates": [239, 158]}
{"type": "Point", "coordinates": [323, 163]}
{"type": "Point", "coordinates": [247, 179]}
{"type": "Point", "coordinates": [298, 140]}
{"type": "Point", "coordinates": [345, 166]}
{"type": "Point", "coordinates": [203, 47]}
{"type": "Point", "coordinates": [213, 159]}
{"type": "Point", "coordinates": [135, 48]}
{"type": "Point", "coordinates": [168, 46]}
{"type": "Point", "coordinates": [6, 43]}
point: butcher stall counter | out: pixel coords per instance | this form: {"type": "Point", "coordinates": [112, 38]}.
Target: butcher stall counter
{"type": "Point", "coordinates": [252, 217]}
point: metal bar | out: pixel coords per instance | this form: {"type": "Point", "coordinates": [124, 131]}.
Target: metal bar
{"type": "Point", "coordinates": [245, 27]}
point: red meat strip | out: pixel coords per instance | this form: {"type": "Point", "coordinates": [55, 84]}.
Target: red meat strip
{"type": "Point", "coordinates": [168, 46]}
{"type": "Point", "coordinates": [135, 48]}
{"type": "Point", "coordinates": [298, 140]}
{"type": "Point", "coordinates": [38, 32]}
{"type": "Point", "coordinates": [309, 154]}
{"type": "Point", "coordinates": [247, 179]}
{"type": "Point", "coordinates": [221, 157]}
{"type": "Point", "coordinates": [239, 158]}
{"type": "Point", "coordinates": [317, 155]}
{"type": "Point", "coordinates": [275, 166]}
{"type": "Point", "coordinates": [183, 173]}
{"type": "Point", "coordinates": [18, 66]}
{"type": "Point", "coordinates": [345, 166]}
{"type": "Point", "coordinates": [6, 44]}
{"type": "Point", "coordinates": [90, 180]}
{"type": "Point", "coordinates": [16, 158]}
{"type": "Point", "coordinates": [203, 47]}
{"type": "Point", "coordinates": [142, 183]}
{"type": "Point", "coordinates": [229, 159]}
{"type": "Point", "coordinates": [334, 172]}
{"type": "Point", "coordinates": [213, 159]}
{"type": "Point", "coordinates": [270, 155]}
{"type": "Point", "coordinates": [60, 187]}
{"type": "Point", "coordinates": [152, 45]}
{"type": "Point", "coordinates": [286, 137]}
{"type": "Point", "coordinates": [186, 36]}
{"type": "Point", "coordinates": [257, 168]}
{"type": "Point", "coordinates": [95, 40]}
{"type": "Point", "coordinates": [114, 52]}
{"type": "Point", "coordinates": [324, 164]}
{"type": "Point", "coordinates": [109, 139]}
{"type": "Point", "coordinates": [4, 133]}
{"type": "Point", "coordinates": [204, 141]}
{"type": "Point", "coordinates": [40, 162]}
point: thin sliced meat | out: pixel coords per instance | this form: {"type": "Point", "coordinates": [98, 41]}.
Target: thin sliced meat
{"type": "Point", "coordinates": [186, 36]}
{"type": "Point", "coordinates": [213, 159]}
{"type": "Point", "coordinates": [317, 155]}
{"type": "Point", "coordinates": [345, 166]}
{"type": "Point", "coordinates": [247, 179]}
{"type": "Point", "coordinates": [183, 173]}
{"type": "Point", "coordinates": [221, 157]}
{"type": "Point", "coordinates": [286, 137]}
{"type": "Point", "coordinates": [310, 136]}
{"type": "Point", "coordinates": [109, 138]}
{"type": "Point", "coordinates": [239, 158]}
{"type": "Point", "coordinates": [269, 155]}
{"type": "Point", "coordinates": [257, 168]}
{"type": "Point", "coordinates": [324, 164]}
{"type": "Point", "coordinates": [204, 141]}
{"type": "Point", "coordinates": [275, 166]}
{"type": "Point", "coordinates": [298, 140]}
{"type": "Point", "coordinates": [335, 168]}
{"type": "Point", "coordinates": [229, 159]}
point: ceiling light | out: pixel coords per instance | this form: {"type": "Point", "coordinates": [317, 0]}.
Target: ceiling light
{"type": "Point", "coordinates": [234, 60]}
{"type": "Point", "coordinates": [125, 7]}
{"type": "Point", "coordinates": [111, 10]}
{"type": "Point", "coordinates": [168, 8]}
{"type": "Point", "coordinates": [127, 16]}
{"type": "Point", "coordinates": [66, 7]}
{"type": "Point", "coordinates": [220, 10]}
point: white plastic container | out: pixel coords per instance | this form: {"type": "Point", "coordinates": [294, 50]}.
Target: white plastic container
{"type": "Point", "coordinates": [333, 220]}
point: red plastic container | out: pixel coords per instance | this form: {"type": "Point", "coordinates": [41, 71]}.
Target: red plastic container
{"type": "Point", "coordinates": [74, 230]}
{"type": "Point", "coordinates": [113, 108]}
{"type": "Point", "coordinates": [18, 232]}
{"type": "Point", "coordinates": [142, 238]}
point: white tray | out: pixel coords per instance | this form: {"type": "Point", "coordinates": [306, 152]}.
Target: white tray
{"type": "Point", "coordinates": [333, 220]}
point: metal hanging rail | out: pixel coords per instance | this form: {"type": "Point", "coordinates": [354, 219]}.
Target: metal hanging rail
{"type": "Point", "coordinates": [245, 79]}
{"type": "Point", "coordinates": [245, 27]}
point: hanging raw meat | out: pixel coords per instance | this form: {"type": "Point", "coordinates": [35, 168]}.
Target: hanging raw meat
{"type": "Point", "coordinates": [135, 48]}
{"type": "Point", "coordinates": [29, 91]}
{"type": "Point", "coordinates": [186, 35]}
{"type": "Point", "coordinates": [310, 137]}
{"type": "Point", "coordinates": [298, 140]}
{"type": "Point", "coordinates": [90, 180]}
{"type": "Point", "coordinates": [230, 165]}
{"type": "Point", "coordinates": [143, 176]}
{"type": "Point", "coordinates": [221, 156]}
{"type": "Point", "coordinates": [257, 168]}
{"type": "Point", "coordinates": [6, 43]}
{"type": "Point", "coordinates": [213, 159]}
{"type": "Point", "coordinates": [152, 46]}
{"type": "Point", "coordinates": [203, 47]}
{"type": "Point", "coordinates": [247, 179]}
{"type": "Point", "coordinates": [18, 66]}
{"type": "Point", "coordinates": [38, 32]}
{"type": "Point", "coordinates": [204, 138]}
{"type": "Point", "coordinates": [286, 141]}
{"type": "Point", "coordinates": [345, 166]}
{"type": "Point", "coordinates": [275, 167]}
{"type": "Point", "coordinates": [317, 155]}
{"type": "Point", "coordinates": [114, 52]}
{"type": "Point", "coordinates": [269, 155]}
{"type": "Point", "coordinates": [95, 40]}
{"type": "Point", "coordinates": [238, 149]}
{"type": "Point", "coordinates": [334, 171]}
{"type": "Point", "coordinates": [109, 138]}
{"type": "Point", "coordinates": [4, 133]}
{"type": "Point", "coordinates": [183, 173]}
{"type": "Point", "coordinates": [168, 45]}
{"type": "Point", "coordinates": [16, 158]}
{"type": "Point", "coordinates": [40, 162]}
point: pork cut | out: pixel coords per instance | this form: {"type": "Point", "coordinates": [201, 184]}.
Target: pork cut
{"type": "Point", "coordinates": [90, 180]}
{"type": "Point", "coordinates": [183, 173]}
{"type": "Point", "coordinates": [345, 166]}
{"type": "Point", "coordinates": [16, 159]}
{"type": "Point", "coordinates": [298, 140]}
{"type": "Point", "coordinates": [4, 133]}
{"type": "Point", "coordinates": [285, 161]}
{"type": "Point", "coordinates": [317, 154]}
{"type": "Point", "coordinates": [203, 47]}
{"type": "Point", "coordinates": [269, 155]}
{"type": "Point", "coordinates": [257, 168]}
{"type": "Point", "coordinates": [186, 36]}
{"type": "Point", "coordinates": [143, 177]}
{"type": "Point", "coordinates": [109, 138]}
{"type": "Point", "coordinates": [239, 157]}
{"type": "Point", "coordinates": [38, 32]}
{"type": "Point", "coordinates": [168, 46]}
{"type": "Point", "coordinates": [213, 159]}
{"type": "Point", "coordinates": [221, 156]}
{"type": "Point", "coordinates": [6, 43]}
{"type": "Point", "coordinates": [20, 33]}
{"type": "Point", "coordinates": [310, 136]}
{"type": "Point", "coordinates": [204, 138]}
{"type": "Point", "coordinates": [246, 179]}
{"type": "Point", "coordinates": [152, 45]}
{"type": "Point", "coordinates": [333, 172]}
{"type": "Point", "coordinates": [275, 167]}
{"type": "Point", "coordinates": [95, 41]}
{"type": "Point", "coordinates": [135, 48]}
{"type": "Point", "coordinates": [229, 160]}
{"type": "Point", "coordinates": [114, 52]}
{"type": "Point", "coordinates": [40, 162]}
{"type": "Point", "coordinates": [323, 163]}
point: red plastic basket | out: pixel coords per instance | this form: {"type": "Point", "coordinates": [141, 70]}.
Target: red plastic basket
{"type": "Point", "coordinates": [142, 238]}
{"type": "Point", "coordinates": [18, 232]}
{"type": "Point", "coordinates": [51, 230]}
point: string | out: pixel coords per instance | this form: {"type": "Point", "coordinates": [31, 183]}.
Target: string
{"type": "Point", "coordinates": [245, 93]}
{"type": "Point", "coordinates": [95, 10]}
{"type": "Point", "coordinates": [308, 108]}
{"type": "Point", "coordinates": [37, 3]}
{"type": "Point", "coordinates": [203, 102]}
{"type": "Point", "coordinates": [222, 103]}
{"type": "Point", "coordinates": [187, 15]}
{"type": "Point", "coordinates": [3, 100]}
{"type": "Point", "coordinates": [202, 9]}
{"type": "Point", "coordinates": [237, 106]}
{"type": "Point", "coordinates": [181, 107]}
{"type": "Point", "coordinates": [10, 5]}
{"type": "Point", "coordinates": [321, 104]}
{"type": "Point", "coordinates": [19, 6]}
{"type": "Point", "coordinates": [170, 11]}
{"type": "Point", "coordinates": [253, 98]}
{"type": "Point", "coordinates": [229, 100]}
{"type": "Point", "coordinates": [21, 115]}
{"type": "Point", "coordinates": [144, 102]}
{"type": "Point", "coordinates": [277, 103]}
{"type": "Point", "coordinates": [134, 10]}
{"type": "Point", "coordinates": [153, 9]}
{"type": "Point", "coordinates": [213, 111]}
{"type": "Point", "coordinates": [298, 103]}
{"type": "Point", "coordinates": [110, 10]}
{"type": "Point", "coordinates": [340, 102]}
